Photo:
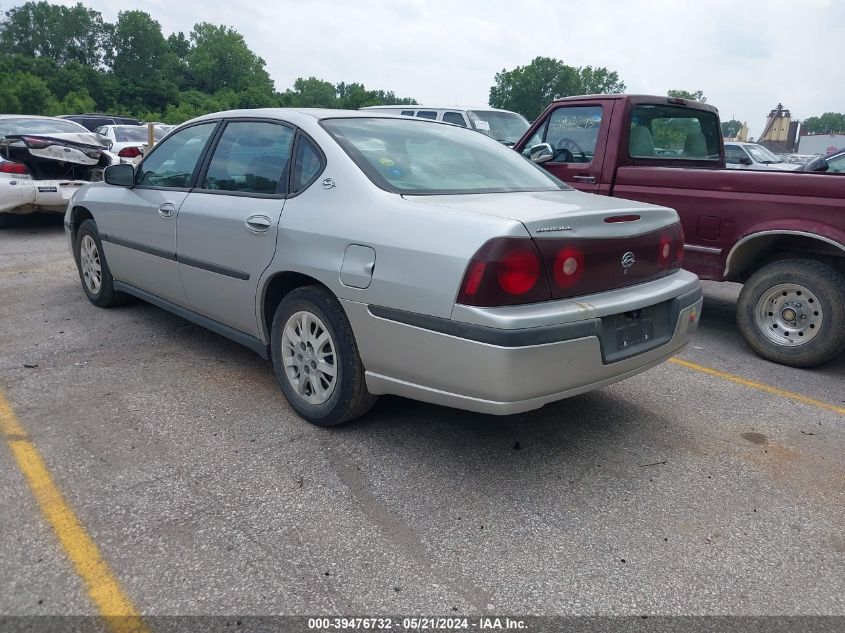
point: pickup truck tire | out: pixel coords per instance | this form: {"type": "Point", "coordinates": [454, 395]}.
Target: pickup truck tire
{"type": "Point", "coordinates": [316, 359]}
{"type": "Point", "coordinates": [792, 312]}
{"type": "Point", "coordinates": [94, 273]}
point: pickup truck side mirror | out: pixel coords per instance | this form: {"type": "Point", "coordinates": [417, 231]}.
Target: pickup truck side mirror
{"type": "Point", "coordinates": [122, 175]}
{"type": "Point", "coordinates": [541, 153]}
{"type": "Point", "coordinates": [818, 164]}
{"type": "Point", "coordinates": [745, 161]}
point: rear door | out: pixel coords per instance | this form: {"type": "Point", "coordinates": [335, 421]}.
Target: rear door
{"type": "Point", "coordinates": [578, 136]}
{"type": "Point", "coordinates": [138, 224]}
{"type": "Point", "coordinates": [227, 227]}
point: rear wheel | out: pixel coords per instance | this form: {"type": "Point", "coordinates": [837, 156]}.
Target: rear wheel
{"type": "Point", "coordinates": [94, 273]}
{"type": "Point", "coordinates": [316, 358]}
{"type": "Point", "coordinates": [793, 312]}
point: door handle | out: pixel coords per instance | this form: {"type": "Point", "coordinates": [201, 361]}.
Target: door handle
{"type": "Point", "coordinates": [587, 179]}
{"type": "Point", "coordinates": [258, 223]}
{"type": "Point", "coordinates": [167, 209]}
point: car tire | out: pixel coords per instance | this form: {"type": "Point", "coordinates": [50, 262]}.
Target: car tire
{"type": "Point", "coordinates": [310, 338]}
{"type": "Point", "coordinates": [792, 312]}
{"type": "Point", "coordinates": [94, 273]}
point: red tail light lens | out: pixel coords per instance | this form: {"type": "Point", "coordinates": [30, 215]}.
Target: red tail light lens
{"type": "Point", "coordinates": [679, 249]}
{"type": "Point", "coordinates": [129, 152]}
{"type": "Point", "coordinates": [34, 142]}
{"type": "Point", "coordinates": [505, 271]}
{"type": "Point", "coordinates": [519, 270]}
{"type": "Point", "coordinates": [9, 167]}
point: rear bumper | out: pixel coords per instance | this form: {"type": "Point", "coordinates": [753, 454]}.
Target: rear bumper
{"type": "Point", "coordinates": [503, 371]}
{"type": "Point", "coordinates": [29, 196]}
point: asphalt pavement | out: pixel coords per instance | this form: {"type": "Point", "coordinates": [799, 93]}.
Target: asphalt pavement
{"type": "Point", "coordinates": [674, 492]}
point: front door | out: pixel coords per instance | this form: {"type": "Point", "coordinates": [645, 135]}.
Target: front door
{"type": "Point", "coordinates": [227, 227]}
{"type": "Point", "coordinates": [578, 138]}
{"type": "Point", "coordinates": [138, 226]}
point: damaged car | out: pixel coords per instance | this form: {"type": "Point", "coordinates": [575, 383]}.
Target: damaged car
{"type": "Point", "coordinates": [44, 161]}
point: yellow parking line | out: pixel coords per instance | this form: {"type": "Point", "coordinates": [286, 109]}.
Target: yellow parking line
{"type": "Point", "coordinates": [759, 386]}
{"type": "Point", "coordinates": [103, 588]}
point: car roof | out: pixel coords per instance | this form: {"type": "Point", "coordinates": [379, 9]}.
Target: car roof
{"type": "Point", "coordinates": [435, 107]}
{"type": "Point", "coordinates": [296, 115]}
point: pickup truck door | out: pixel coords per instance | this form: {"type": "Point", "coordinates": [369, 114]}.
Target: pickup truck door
{"type": "Point", "coordinates": [227, 226]}
{"type": "Point", "coordinates": [578, 136]}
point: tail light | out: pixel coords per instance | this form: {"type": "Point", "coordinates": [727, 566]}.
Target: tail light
{"type": "Point", "coordinates": [679, 249]}
{"type": "Point", "coordinates": [505, 271]}
{"type": "Point", "coordinates": [129, 152]}
{"type": "Point", "coordinates": [10, 167]}
{"type": "Point", "coordinates": [35, 142]}
{"type": "Point", "coordinates": [670, 254]}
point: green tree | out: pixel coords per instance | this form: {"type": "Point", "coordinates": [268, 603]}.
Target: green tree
{"type": "Point", "coordinates": [61, 33]}
{"type": "Point", "coordinates": [529, 89]}
{"type": "Point", "coordinates": [140, 49]}
{"type": "Point", "coordinates": [600, 81]}
{"type": "Point", "coordinates": [731, 128]}
{"type": "Point", "coordinates": [311, 93]}
{"type": "Point", "coordinates": [23, 93]}
{"type": "Point", "coordinates": [698, 95]}
{"type": "Point", "coordinates": [827, 123]}
{"type": "Point", "coordinates": [221, 59]}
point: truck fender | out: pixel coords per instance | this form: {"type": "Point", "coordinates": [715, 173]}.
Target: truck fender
{"type": "Point", "coordinates": [818, 236]}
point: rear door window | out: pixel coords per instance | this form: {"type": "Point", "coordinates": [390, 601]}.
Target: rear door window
{"type": "Point", "coordinates": [674, 133]}
{"type": "Point", "coordinates": [251, 157]}
{"type": "Point", "coordinates": [173, 161]}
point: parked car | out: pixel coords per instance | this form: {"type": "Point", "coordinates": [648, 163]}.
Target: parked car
{"type": "Point", "coordinates": [740, 155]}
{"type": "Point", "coordinates": [129, 141]}
{"type": "Point", "coordinates": [780, 234]}
{"type": "Point", "coordinates": [370, 255]}
{"type": "Point", "coordinates": [44, 161]}
{"type": "Point", "coordinates": [503, 125]}
{"type": "Point", "coordinates": [94, 120]}
{"type": "Point", "coordinates": [833, 164]}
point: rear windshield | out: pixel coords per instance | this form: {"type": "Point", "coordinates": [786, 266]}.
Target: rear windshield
{"type": "Point", "coordinates": [674, 132]}
{"type": "Point", "coordinates": [133, 133]}
{"type": "Point", "coordinates": [418, 157]}
{"type": "Point", "coordinates": [505, 127]}
{"type": "Point", "coordinates": [39, 126]}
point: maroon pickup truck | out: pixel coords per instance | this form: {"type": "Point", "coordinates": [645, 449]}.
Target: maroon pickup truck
{"type": "Point", "coordinates": [781, 234]}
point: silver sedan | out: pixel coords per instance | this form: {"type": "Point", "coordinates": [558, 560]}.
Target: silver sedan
{"type": "Point", "coordinates": [367, 254]}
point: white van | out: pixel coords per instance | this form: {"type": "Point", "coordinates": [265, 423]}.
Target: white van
{"type": "Point", "coordinates": [503, 125]}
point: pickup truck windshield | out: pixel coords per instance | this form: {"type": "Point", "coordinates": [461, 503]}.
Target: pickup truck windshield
{"type": "Point", "coordinates": [417, 157]}
{"type": "Point", "coordinates": [505, 127]}
{"type": "Point", "coordinates": [674, 132]}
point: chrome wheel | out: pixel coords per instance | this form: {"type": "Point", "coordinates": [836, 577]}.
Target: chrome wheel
{"type": "Point", "coordinates": [89, 261]}
{"type": "Point", "coordinates": [308, 356]}
{"type": "Point", "coordinates": [789, 315]}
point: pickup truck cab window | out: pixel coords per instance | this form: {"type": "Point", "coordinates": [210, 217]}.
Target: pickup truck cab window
{"type": "Point", "coordinates": [173, 162]}
{"type": "Point", "coordinates": [427, 114]}
{"type": "Point", "coordinates": [251, 157]}
{"type": "Point", "coordinates": [673, 132]}
{"type": "Point", "coordinates": [455, 118]}
{"type": "Point", "coordinates": [572, 131]}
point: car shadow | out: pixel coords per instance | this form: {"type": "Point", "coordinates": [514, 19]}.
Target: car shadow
{"type": "Point", "coordinates": [32, 222]}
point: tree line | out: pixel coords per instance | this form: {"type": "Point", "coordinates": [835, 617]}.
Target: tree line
{"type": "Point", "coordinates": [63, 60]}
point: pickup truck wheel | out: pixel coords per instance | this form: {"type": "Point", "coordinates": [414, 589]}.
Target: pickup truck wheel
{"type": "Point", "coordinates": [793, 312]}
{"type": "Point", "coordinates": [94, 272]}
{"type": "Point", "coordinates": [316, 359]}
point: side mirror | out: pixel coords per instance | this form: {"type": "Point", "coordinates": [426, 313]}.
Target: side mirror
{"type": "Point", "coordinates": [745, 161]}
{"type": "Point", "coordinates": [818, 164]}
{"type": "Point", "coordinates": [541, 153]}
{"type": "Point", "coordinates": [120, 175]}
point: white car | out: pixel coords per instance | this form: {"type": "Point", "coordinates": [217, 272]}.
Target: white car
{"type": "Point", "coordinates": [756, 157]}
{"type": "Point", "coordinates": [45, 160]}
{"type": "Point", "coordinates": [129, 141]}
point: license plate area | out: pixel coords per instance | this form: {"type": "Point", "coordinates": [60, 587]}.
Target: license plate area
{"type": "Point", "coordinates": [630, 333]}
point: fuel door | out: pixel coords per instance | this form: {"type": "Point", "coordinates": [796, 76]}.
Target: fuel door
{"type": "Point", "coordinates": [357, 268]}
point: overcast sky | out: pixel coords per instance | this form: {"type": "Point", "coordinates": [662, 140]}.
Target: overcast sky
{"type": "Point", "coordinates": [746, 55]}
